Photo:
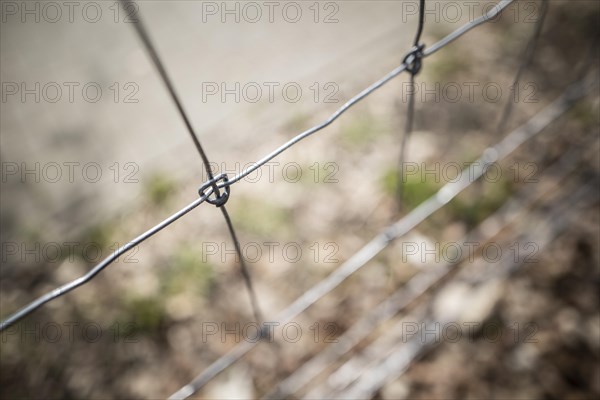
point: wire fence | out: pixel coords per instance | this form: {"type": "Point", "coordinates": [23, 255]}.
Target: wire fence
{"type": "Point", "coordinates": [418, 285]}
{"type": "Point", "coordinates": [214, 184]}
{"type": "Point", "coordinates": [217, 190]}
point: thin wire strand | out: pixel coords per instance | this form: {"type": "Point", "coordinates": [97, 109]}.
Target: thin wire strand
{"type": "Point", "coordinates": [527, 58]}
{"type": "Point", "coordinates": [410, 113]}
{"type": "Point", "coordinates": [143, 34]}
{"type": "Point", "coordinates": [395, 361]}
{"type": "Point", "coordinates": [404, 144]}
{"type": "Point", "coordinates": [421, 23]}
{"type": "Point", "coordinates": [450, 190]}
{"type": "Point", "coordinates": [244, 269]}
{"type": "Point", "coordinates": [64, 289]}
{"type": "Point", "coordinates": [493, 12]}
{"type": "Point", "coordinates": [428, 278]}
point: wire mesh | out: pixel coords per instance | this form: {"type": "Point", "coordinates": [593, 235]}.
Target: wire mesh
{"type": "Point", "coordinates": [216, 191]}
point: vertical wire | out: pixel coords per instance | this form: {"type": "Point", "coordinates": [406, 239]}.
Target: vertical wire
{"type": "Point", "coordinates": [244, 268]}
{"type": "Point", "coordinates": [421, 22]}
{"type": "Point", "coordinates": [143, 34]}
{"type": "Point", "coordinates": [410, 114]}
{"type": "Point", "coordinates": [527, 58]}
{"type": "Point", "coordinates": [404, 144]}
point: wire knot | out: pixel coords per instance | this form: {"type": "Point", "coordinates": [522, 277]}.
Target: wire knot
{"type": "Point", "coordinates": [413, 58]}
{"type": "Point", "coordinates": [220, 198]}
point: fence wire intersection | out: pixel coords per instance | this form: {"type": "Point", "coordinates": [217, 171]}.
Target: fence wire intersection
{"type": "Point", "coordinates": [216, 189]}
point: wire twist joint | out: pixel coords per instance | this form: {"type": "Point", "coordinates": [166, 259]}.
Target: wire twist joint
{"type": "Point", "coordinates": [220, 198]}
{"type": "Point", "coordinates": [413, 59]}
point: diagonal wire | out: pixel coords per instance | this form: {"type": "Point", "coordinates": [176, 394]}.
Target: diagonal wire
{"type": "Point", "coordinates": [143, 34]}
{"type": "Point", "coordinates": [392, 365]}
{"type": "Point", "coordinates": [212, 188]}
{"type": "Point", "coordinates": [66, 288]}
{"type": "Point", "coordinates": [426, 280]}
{"type": "Point", "coordinates": [526, 61]}
{"type": "Point", "coordinates": [450, 190]}
{"type": "Point", "coordinates": [258, 316]}
{"type": "Point", "coordinates": [490, 14]}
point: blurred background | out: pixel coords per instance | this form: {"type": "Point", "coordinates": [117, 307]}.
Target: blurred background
{"type": "Point", "coordinates": [93, 153]}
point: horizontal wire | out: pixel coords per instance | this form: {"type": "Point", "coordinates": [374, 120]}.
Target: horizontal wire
{"type": "Point", "coordinates": [427, 52]}
{"type": "Point", "coordinates": [450, 190]}
{"type": "Point", "coordinates": [34, 305]}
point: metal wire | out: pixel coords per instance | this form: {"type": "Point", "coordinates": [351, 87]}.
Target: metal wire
{"type": "Point", "coordinates": [416, 57]}
{"type": "Point", "coordinates": [526, 61]}
{"type": "Point", "coordinates": [421, 23]}
{"type": "Point", "coordinates": [143, 34]}
{"type": "Point", "coordinates": [450, 190]}
{"type": "Point", "coordinates": [404, 143]}
{"type": "Point", "coordinates": [493, 12]}
{"type": "Point", "coordinates": [428, 278]}
{"type": "Point", "coordinates": [258, 316]}
{"type": "Point", "coordinates": [64, 289]}
{"type": "Point", "coordinates": [394, 363]}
